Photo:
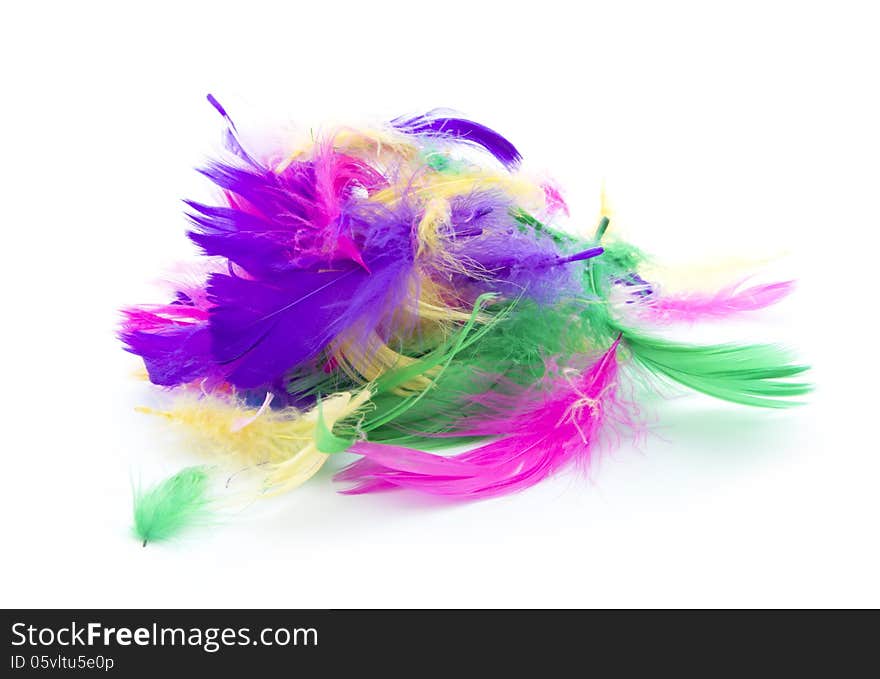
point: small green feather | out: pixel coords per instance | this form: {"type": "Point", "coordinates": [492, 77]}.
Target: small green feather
{"type": "Point", "coordinates": [172, 506]}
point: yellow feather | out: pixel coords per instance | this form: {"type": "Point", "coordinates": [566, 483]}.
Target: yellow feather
{"type": "Point", "coordinates": [605, 209]}
{"type": "Point", "coordinates": [379, 146]}
{"type": "Point", "coordinates": [279, 443]}
{"type": "Point", "coordinates": [441, 186]}
{"type": "Point", "coordinates": [366, 363]}
{"type": "Point", "coordinates": [435, 216]}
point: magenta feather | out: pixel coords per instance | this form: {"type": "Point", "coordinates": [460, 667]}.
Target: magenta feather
{"type": "Point", "coordinates": [543, 431]}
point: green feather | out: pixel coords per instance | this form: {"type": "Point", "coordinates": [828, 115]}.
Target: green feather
{"type": "Point", "coordinates": [171, 506]}
{"type": "Point", "coordinates": [515, 348]}
{"type": "Point", "coordinates": [754, 374]}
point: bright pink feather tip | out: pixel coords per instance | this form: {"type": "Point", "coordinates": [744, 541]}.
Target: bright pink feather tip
{"type": "Point", "coordinates": [543, 435]}
{"type": "Point", "coordinates": [726, 302]}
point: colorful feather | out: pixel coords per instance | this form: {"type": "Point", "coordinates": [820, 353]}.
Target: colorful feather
{"type": "Point", "coordinates": [542, 431]}
{"type": "Point", "coordinates": [399, 289]}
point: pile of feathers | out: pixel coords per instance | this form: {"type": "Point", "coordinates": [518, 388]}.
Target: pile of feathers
{"type": "Point", "coordinates": [402, 290]}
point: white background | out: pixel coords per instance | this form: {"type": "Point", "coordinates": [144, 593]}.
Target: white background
{"type": "Point", "coordinates": [745, 130]}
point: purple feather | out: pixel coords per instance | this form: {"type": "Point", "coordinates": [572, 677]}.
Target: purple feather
{"type": "Point", "coordinates": [281, 221]}
{"type": "Point", "coordinates": [262, 329]}
{"type": "Point", "coordinates": [174, 356]}
{"type": "Point", "coordinates": [433, 124]}
{"type": "Point", "coordinates": [516, 260]}
{"type": "Point", "coordinates": [231, 141]}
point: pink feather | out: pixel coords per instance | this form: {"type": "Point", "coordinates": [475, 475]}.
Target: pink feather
{"type": "Point", "coordinates": [336, 174]}
{"type": "Point", "coordinates": [554, 200]}
{"type": "Point", "coordinates": [544, 432]}
{"type": "Point", "coordinates": [726, 302]}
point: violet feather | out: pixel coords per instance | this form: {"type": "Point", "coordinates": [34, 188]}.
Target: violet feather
{"type": "Point", "coordinates": [516, 259]}
{"type": "Point", "coordinates": [435, 124]}
{"type": "Point", "coordinates": [261, 329]}
{"type": "Point", "coordinates": [174, 355]}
